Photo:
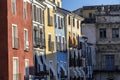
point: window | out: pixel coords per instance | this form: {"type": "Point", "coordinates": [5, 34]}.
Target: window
{"type": "Point", "coordinates": [37, 14]}
{"type": "Point", "coordinates": [55, 21]}
{"type": "Point", "coordinates": [54, 1]}
{"type": "Point", "coordinates": [59, 23]}
{"type": "Point", "coordinates": [62, 23]}
{"type": "Point", "coordinates": [25, 9]}
{"type": "Point", "coordinates": [69, 20]}
{"type": "Point", "coordinates": [64, 45]}
{"type": "Point", "coordinates": [58, 3]}
{"type": "Point", "coordinates": [14, 6]}
{"type": "Point", "coordinates": [34, 12]}
{"type": "Point", "coordinates": [14, 36]}
{"type": "Point", "coordinates": [26, 42]}
{"type": "Point", "coordinates": [50, 18]}
{"type": "Point", "coordinates": [41, 16]}
{"type": "Point", "coordinates": [15, 69]}
{"type": "Point", "coordinates": [115, 32]}
{"type": "Point", "coordinates": [73, 22]}
{"type": "Point", "coordinates": [78, 24]}
{"type": "Point", "coordinates": [35, 32]}
{"type": "Point", "coordinates": [48, 12]}
{"type": "Point", "coordinates": [26, 68]}
{"type": "Point", "coordinates": [49, 42]}
{"type": "Point", "coordinates": [56, 43]}
{"type": "Point", "coordinates": [110, 62]}
{"type": "Point", "coordinates": [60, 43]}
{"type": "Point", "coordinates": [103, 33]}
{"type": "Point", "coordinates": [90, 15]}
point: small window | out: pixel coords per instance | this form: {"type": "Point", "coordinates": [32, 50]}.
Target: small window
{"type": "Point", "coordinates": [14, 36]}
{"type": "Point", "coordinates": [103, 33]}
{"type": "Point", "coordinates": [73, 22]}
{"type": "Point", "coordinates": [90, 15]}
{"type": "Point", "coordinates": [25, 9]}
{"type": "Point", "coordinates": [49, 42]}
{"type": "Point", "coordinates": [58, 3]}
{"type": "Point", "coordinates": [115, 32]}
{"type": "Point", "coordinates": [13, 6]}
{"type": "Point", "coordinates": [48, 13]}
{"type": "Point", "coordinates": [34, 12]}
{"type": "Point", "coordinates": [78, 25]}
{"type": "Point", "coordinates": [55, 21]}
{"type": "Point", "coordinates": [15, 68]}
{"type": "Point", "coordinates": [26, 42]}
{"type": "Point", "coordinates": [69, 20]}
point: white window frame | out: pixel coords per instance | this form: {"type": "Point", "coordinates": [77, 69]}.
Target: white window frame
{"type": "Point", "coordinates": [14, 35]}
{"type": "Point", "coordinates": [25, 9]}
{"type": "Point", "coordinates": [26, 41]}
{"type": "Point", "coordinates": [17, 72]}
{"type": "Point", "coordinates": [13, 8]}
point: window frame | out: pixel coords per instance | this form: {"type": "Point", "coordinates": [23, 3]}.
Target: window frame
{"type": "Point", "coordinates": [115, 33]}
{"type": "Point", "coordinates": [14, 35]}
{"type": "Point", "coordinates": [102, 33]}
{"type": "Point", "coordinates": [25, 9]}
{"type": "Point", "coordinates": [13, 6]}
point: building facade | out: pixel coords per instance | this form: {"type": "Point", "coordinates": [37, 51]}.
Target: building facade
{"type": "Point", "coordinates": [61, 52]}
{"type": "Point", "coordinates": [107, 28]}
{"type": "Point", "coordinates": [16, 44]}
{"type": "Point", "coordinates": [73, 33]}
{"type": "Point", "coordinates": [41, 68]}
{"type": "Point", "coordinates": [105, 21]}
{"type": "Point", "coordinates": [50, 38]}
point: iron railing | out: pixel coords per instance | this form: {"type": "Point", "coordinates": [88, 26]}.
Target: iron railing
{"type": "Point", "coordinates": [39, 42]}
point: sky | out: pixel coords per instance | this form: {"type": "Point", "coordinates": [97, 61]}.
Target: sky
{"type": "Point", "coordinates": [75, 4]}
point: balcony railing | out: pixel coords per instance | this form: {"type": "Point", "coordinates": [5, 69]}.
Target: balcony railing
{"type": "Point", "coordinates": [17, 76]}
{"type": "Point", "coordinates": [106, 68]}
{"type": "Point", "coordinates": [39, 43]}
{"type": "Point", "coordinates": [16, 42]}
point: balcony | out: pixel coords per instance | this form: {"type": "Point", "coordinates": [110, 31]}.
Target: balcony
{"type": "Point", "coordinates": [17, 76]}
{"type": "Point", "coordinates": [39, 43]}
{"type": "Point", "coordinates": [104, 68]}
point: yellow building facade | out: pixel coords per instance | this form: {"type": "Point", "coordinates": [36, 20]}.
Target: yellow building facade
{"type": "Point", "coordinates": [50, 39]}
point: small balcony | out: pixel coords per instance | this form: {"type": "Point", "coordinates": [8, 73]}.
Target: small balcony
{"type": "Point", "coordinates": [39, 43]}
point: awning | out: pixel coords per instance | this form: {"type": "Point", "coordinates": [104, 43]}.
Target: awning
{"type": "Point", "coordinates": [70, 40]}
{"type": "Point", "coordinates": [52, 70]}
{"type": "Point", "coordinates": [76, 53]}
{"type": "Point", "coordinates": [73, 73]}
{"type": "Point", "coordinates": [63, 68]}
{"type": "Point", "coordinates": [44, 61]}
{"type": "Point", "coordinates": [82, 72]}
{"type": "Point", "coordinates": [39, 61]}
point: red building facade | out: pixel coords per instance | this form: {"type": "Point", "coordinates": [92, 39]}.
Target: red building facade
{"type": "Point", "coordinates": [16, 52]}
